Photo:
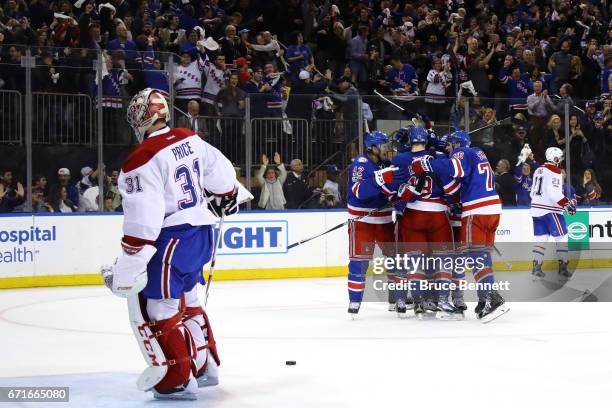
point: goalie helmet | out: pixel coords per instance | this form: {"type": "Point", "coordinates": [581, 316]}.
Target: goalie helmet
{"type": "Point", "coordinates": [554, 155]}
{"type": "Point", "coordinates": [146, 108]}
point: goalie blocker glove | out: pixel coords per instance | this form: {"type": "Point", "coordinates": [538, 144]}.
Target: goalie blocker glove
{"type": "Point", "coordinates": [223, 205]}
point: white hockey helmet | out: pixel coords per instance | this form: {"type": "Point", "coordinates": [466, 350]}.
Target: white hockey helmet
{"type": "Point", "coordinates": [146, 108]}
{"type": "Point", "coordinates": [554, 155]}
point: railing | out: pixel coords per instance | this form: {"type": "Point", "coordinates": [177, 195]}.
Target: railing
{"type": "Point", "coordinates": [65, 119]}
{"type": "Point", "coordinates": [81, 126]}
{"type": "Point", "coordinates": [11, 117]}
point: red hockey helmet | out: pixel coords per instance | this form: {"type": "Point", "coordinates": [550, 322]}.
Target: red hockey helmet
{"type": "Point", "coordinates": [145, 108]}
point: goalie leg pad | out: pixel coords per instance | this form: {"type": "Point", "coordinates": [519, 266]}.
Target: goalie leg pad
{"type": "Point", "coordinates": [199, 329]}
{"type": "Point", "coordinates": [159, 334]}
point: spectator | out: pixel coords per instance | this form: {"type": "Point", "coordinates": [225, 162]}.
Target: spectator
{"type": "Point", "coordinates": [63, 176]}
{"type": "Point", "coordinates": [271, 183]}
{"type": "Point", "coordinates": [590, 191]}
{"type": "Point", "coordinates": [122, 43]}
{"type": "Point", "coordinates": [217, 75]}
{"type": "Point", "coordinates": [230, 100]}
{"type": "Point", "coordinates": [517, 86]}
{"type": "Point", "coordinates": [561, 64]}
{"type": "Point", "coordinates": [581, 155]}
{"type": "Point", "coordinates": [565, 96]}
{"type": "Point", "coordinates": [113, 190]}
{"type": "Point", "coordinates": [331, 181]}
{"type": "Point", "coordinates": [154, 75]}
{"type": "Point", "coordinates": [438, 80]}
{"type": "Point", "coordinates": [295, 188]}
{"type": "Point", "coordinates": [298, 55]}
{"type": "Point", "coordinates": [402, 78]}
{"type": "Point", "coordinates": [58, 200]}
{"type": "Point", "coordinates": [504, 183]}
{"type": "Point", "coordinates": [266, 50]}
{"type": "Point", "coordinates": [108, 204]}
{"type": "Point", "coordinates": [523, 181]}
{"type": "Point", "coordinates": [328, 199]}
{"type": "Point", "coordinates": [359, 56]}
{"type": "Point", "coordinates": [192, 119]}
{"type": "Point", "coordinates": [188, 80]}
{"type": "Point", "coordinates": [478, 70]}
{"type": "Point", "coordinates": [555, 135]}
{"type": "Point", "coordinates": [231, 45]}
{"type": "Point", "coordinates": [12, 194]}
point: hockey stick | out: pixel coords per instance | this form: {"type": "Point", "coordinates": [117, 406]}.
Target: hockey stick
{"type": "Point", "coordinates": [389, 101]}
{"type": "Point", "coordinates": [490, 125]}
{"type": "Point", "coordinates": [214, 257]}
{"type": "Point", "coordinates": [342, 224]}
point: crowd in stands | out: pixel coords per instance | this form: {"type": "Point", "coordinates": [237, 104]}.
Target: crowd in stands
{"type": "Point", "coordinates": [525, 58]}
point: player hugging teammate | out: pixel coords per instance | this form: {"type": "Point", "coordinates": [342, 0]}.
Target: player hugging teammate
{"type": "Point", "coordinates": [431, 184]}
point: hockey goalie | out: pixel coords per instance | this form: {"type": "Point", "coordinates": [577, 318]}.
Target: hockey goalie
{"type": "Point", "coordinates": [174, 186]}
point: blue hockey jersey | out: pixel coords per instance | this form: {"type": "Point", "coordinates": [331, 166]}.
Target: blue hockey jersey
{"type": "Point", "coordinates": [398, 79]}
{"type": "Point", "coordinates": [518, 90]}
{"type": "Point", "coordinates": [473, 177]}
{"type": "Point", "coordinates": [363, 194]}
{"type": "Point", "coordinates": [432, 194]}
{"type": "Point", "coordinates": [156, 79]}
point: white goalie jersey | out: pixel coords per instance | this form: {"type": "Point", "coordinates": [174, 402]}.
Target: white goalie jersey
{"type": "Point", "coordinates": [547, 191]}
{"type": "Point", "coordinates": [162, 182]}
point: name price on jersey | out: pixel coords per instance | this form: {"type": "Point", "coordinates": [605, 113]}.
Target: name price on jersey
{"type": "Point", "coordinates": [34, 394]}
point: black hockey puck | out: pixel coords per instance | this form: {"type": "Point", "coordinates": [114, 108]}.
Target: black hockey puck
{"type": "Point", "coordinates": [290, 362]}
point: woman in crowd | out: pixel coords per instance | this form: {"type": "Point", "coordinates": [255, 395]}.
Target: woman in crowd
{"type": "Point", "coordinates": [590, 191]}
{"type": "Point", "coordinates": [271, 182]}
{"type": "Point", "coordinates": [554, 135]}
{"type": "Point", "coordinates": [58, 200]}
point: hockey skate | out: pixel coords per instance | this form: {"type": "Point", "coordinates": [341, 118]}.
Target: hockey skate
{"type": "Point", "coordinates": [430, 305]}
{"type": "Point", "coordinates": [537, 272]}
{"type": "Point", "coordinates": [185, 392]}
{"type": "Point", "coordinates": [210, 376]}
{"type": "Point", "coordinates": [447, 311]}
{"type": "Point", "coordinates": [479, 306]}
{"type": "Point", "coordinates": [459, 303]}
{"type": "Point", "coordinates": [400, 308]}
{"type": "Point", "coordinates": [419, 311]}
{"type": "Point", "coordinates": [353, 309]}
{"type": "Point", "coordinates": [494, 307]}
{"type": "Point", "coordinates": [564, 273]}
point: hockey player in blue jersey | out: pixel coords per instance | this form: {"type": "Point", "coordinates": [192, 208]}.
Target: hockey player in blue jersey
{"type": "Point", "coordinates": [473, 176]}
{"type": "Point", "coordinates": [548, 201]}
{"type": "Point", "coordinates": [370, 184]}
{"type": "Point", "coordinates": [424, 228]}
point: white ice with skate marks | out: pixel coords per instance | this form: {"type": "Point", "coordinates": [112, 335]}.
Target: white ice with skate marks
{"type": "Point", "coordinates": [538, 354]}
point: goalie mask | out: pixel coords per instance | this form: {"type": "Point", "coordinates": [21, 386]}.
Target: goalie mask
{"type": "Point", "coordinates": [146, 108]}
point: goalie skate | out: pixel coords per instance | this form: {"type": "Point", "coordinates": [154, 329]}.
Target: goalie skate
{"type": "Point", "coordinates": [186, 392]}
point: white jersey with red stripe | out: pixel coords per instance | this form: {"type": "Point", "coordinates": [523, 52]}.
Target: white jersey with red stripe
{"type": "Point", "coordinates": [363, 194]}
{"type": "Point", "coordinates": [473, 177]}
{"type": "Point", "coordinates": [162, 183]}
{"type": "Point", "coordinates": [547, 191]}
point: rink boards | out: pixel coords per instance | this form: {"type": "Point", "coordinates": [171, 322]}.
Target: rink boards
{"type": "Point", "coordinates": [61, 249]}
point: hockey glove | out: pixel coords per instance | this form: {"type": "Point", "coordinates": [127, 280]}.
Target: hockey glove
{"type": "Point", "coordinates": [570, 207]}
{"type": "Point", "coordinates": [390, 175]}
{"type": "Point", "coordinates": [223, 205]}
{"type": "Point", "coordinates": [421, 165]}
{"type": "Point", "coordinates": [407, 192]}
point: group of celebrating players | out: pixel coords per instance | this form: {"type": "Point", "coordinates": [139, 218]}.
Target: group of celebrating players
{"type": "Point", "coordinates": [175, 187]}
{"type": "Point", "coordinates": [437, 198]}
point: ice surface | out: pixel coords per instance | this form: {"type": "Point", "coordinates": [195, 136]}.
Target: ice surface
{"type": "Point", "coordinates": [538, 355]}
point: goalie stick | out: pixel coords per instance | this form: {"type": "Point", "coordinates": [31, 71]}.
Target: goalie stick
{"type": "Point", "coordinates": [214, 258]}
